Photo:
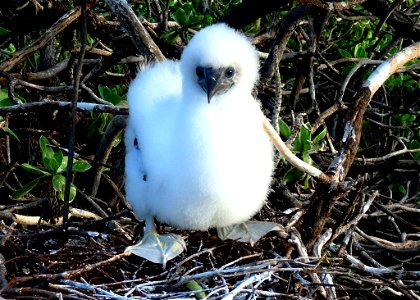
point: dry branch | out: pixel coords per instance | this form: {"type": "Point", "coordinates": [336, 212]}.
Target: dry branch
{"type": "Point", "coordinates": [138, 34]}
{"type": "Point", "coordinates": [55, 29]}
{"type": "Point", "coordinates": [320, 208]}
{"type": "Point", "coordinates": [53, 105]}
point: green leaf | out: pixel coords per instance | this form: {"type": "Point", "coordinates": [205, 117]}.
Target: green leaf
{"type": "Point", "coordinates": [51, 160]}
{"type": "Point", "coordinates": [284, 129]}
{"type": "Point", "coordinates": [59, 185]}
{"type": "Point", "coordinates": [401, 188]}
{"type": "Point", "coordinates": [11, 133]}
{"type": "Point", "coordinates": [181, 16]}
{"type": "Point", "coordinates": [408, 118]}
{"type": "Point", "coordinates": [3, 31]}
{"type": "Point", "coordinates": [51, 164]}
{"type": "Point", "coordinates": [11, 48]}
{"type": "Point", "coordinates": [118, 139]}
{"type": "Point", "coordinates": [297, 145]}
{"type": "Point", "coordinates": [26, 188]}
{"type": "Point", "coordinates": [109, 94]}
{"type": "Point", "coordinates": [195, 19]}
{"type": "Point", "coordinates": [58, 157]}
{"type": "Point", "coordinates": [359, 51]}
{"type": "Point", "coordinates": [63, 165]}
{"type": "Point", "coordinates": [105, 119]}
{"type": "Point", "coordinates": [170, 36]}
{"type": "Point", "coordinates": [414, 144]}
{"type": "Point", "coordinates": [81, 166]}
{"type": "Point", "coordinates": [306, 181]}
{"type": "Point", "coordinates": [292, 175]}
{"type": "Point", "coordinates": [46, 151]}
{"type": "Point", "coordinates": [303, 142]}
{"type": "Point", "coordinates": [43, 142]}
{"type": "Point", "coordinates": [306, 157]}
{"type": "Point", "coordinates": [320, 136]}
{"type": "Point", "coordinates": [4, 98]}
{"type": "Point", "coordinates": [317, 147]}
{"type": "Point", "coordinates": [72, 192]}
{"type": "Point", "coordinates": [344, 53]}
{"type": "Point", "coordinates": [196, 288]}
{"type": "Point", "coordinates": [35, 170]}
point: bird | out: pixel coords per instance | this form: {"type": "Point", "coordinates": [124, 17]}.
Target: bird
{"type": "Point", "coordinates": [197, 156]}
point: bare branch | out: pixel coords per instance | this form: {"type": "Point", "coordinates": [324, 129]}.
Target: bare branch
{"type": "Point", "coordinates": [58, 26]}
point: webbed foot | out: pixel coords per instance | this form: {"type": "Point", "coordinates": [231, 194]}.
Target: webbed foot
{"type": "Point", "coordinates": [247, 232]}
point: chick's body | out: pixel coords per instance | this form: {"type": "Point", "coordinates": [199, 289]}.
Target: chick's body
{"type": "Point", "coordinates": [190, 162]}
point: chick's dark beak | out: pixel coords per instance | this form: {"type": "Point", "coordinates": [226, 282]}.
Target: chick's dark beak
{"type": "Point", "coordinates": [209, 80]}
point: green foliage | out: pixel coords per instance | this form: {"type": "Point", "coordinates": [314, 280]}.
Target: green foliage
{"type": "Point", "coordinates": [356, 39]}
{"type": "Point", "coordinates": [3, 31]}
{"type": "Point", "coordinates": [4, 98]}
{"type": "Point", "coordinates": [395, 185]}
{"type": "Point", "coordinates": [11, 48]}
{"type": "Point", "coordinates": [191, 15]}
{"type": "Point", "coordinates": [303, 146]}
{"type": "Point", "coordinates": [4, 125]}
{"type": "Point", "coordinates": [111, 94]}
{"type": "Point", "coordinates": [196, 288]}
{"type": "Point", "coordinates": [114, 95]}
{"type": "Point", "coordinates": [415, 144]}
{"type": "Point", "coordinates": [400, 81]}
{"type": "Point", "coordinates": [54, 164]}
{"type": "Point", "coordinates": [285, 130]}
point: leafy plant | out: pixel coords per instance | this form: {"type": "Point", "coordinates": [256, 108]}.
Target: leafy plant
{"type": "Point", "coordinates": [4, 31]}
{"type": "Point", "coordinates": [111, 94]}
{"type": "Point", "coordinates": [115, 95]}
{"type": "Point", "coordinates": [4, 125]}
{"type": "Point", "coordinates": [54, 165]}
{"type": "Point", "coordinates": [395, 184]}
{"type": "Point", "coordinates": [303, 146]}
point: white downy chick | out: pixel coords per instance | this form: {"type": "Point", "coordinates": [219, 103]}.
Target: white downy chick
{"type": "Point", "coordinates": [197, 156]}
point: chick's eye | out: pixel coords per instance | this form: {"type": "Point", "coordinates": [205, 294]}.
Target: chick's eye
{"type": "Point", "coordinates": [200, 72]}
{"type": "Point", "coordinates": [229, 72]}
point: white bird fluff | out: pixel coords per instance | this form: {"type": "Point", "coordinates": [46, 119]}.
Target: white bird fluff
{"type": "Point", "coordinates": [197, 156]}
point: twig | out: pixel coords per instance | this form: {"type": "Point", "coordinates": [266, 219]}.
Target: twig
{"type": "Point", "coordinates": [73, 108]}
{"type": "Point", "coordinates": [387, 156]}
{"type": "Point", "coordinates": [319, 210]}
{"type": "Point", "coordinates": [361, 63]}
{"type": "Point", "coordinates": [114, 128]}
{"type": "Point", "coordinates": [390, 66]}
{"type": "Point", "coordinates": [335, 5]}
{"type": "Point", "coordinates": [250, 280]}
{"type": "Point", "coordinates": [100, 211]}
{"type": "Point", "coordinates": [138, 34]}
{"type": "Point", "coordinates": [69, 274]}
{"type": "Point", "coordinates": [409, 246]}
{"type": "Point", "coordinates": [390, 213]}
{"type": "Point", "coordinates": [289, 156]}
{"type": "Point", "coordinates": [55, 29]}
{"type": "Point", "coordinates": [53, 105]}
{"type": "Point", "coordinates": [303, 252]}
{"type": "Point", "coordinates": [356, 263]}
{"type": "Point", "coordinates": [36, 220]}
{"type": "Point", "coordinates": [344, 227]}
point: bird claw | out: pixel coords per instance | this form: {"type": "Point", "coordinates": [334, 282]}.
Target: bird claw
{"type": "Point", "coordinates": [158, 248]}
{"type": "Point", "coordinates": [247, 232]}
